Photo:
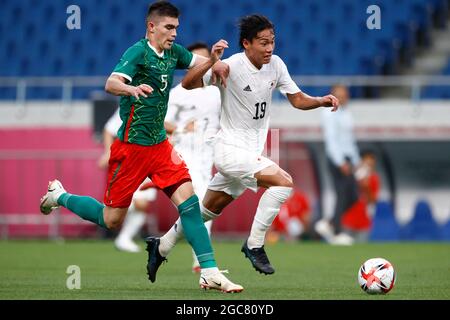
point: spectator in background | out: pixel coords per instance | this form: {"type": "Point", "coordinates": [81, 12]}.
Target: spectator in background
{"type": "Point", "coordinates": [293, 220]}
{"type": "Point", "coordinates": [358, 219]}
{"type": "Point", "coordinates": [343, 156]}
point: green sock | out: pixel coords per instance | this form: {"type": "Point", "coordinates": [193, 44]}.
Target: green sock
{"type": "Point", "coordinates": [196, 233]}
{"type": "Point", "coordinates": [85, 207]}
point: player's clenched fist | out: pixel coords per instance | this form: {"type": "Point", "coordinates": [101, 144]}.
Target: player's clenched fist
{"type": "Point", "coordinates": [330, 101]}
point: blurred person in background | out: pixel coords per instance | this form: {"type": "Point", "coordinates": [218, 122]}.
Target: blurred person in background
{"type": "Point", "coordinates": [358, 219]}
{"type": "Point", "coordinates": [342, 157]}
{"type": "Point", "coordinates": [193, 120]}
{"type": "Point", "coordinates": [142, 198]}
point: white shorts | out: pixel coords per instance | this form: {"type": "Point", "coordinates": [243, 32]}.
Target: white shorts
{"type": "Point", "coordinates": [147, 194]}
{"type": "Point", "coordinates": [200, 165]}
{"type": "Point", "coordinates": [237, 168]}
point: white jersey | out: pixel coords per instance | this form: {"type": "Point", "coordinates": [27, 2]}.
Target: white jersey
{"type": "Point", "coordinates": [201, 105]}
{"type": "Point", "coordinates": [247, 99]}
{"type": "Point", "coordinates": [113, 124]}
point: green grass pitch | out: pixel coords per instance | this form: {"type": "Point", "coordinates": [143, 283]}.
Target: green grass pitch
{"type": "Point", "coordinates": [304, 271]}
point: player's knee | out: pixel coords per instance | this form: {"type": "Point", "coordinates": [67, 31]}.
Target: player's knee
{"type": "Point", "coordinates": [141, 205]}
{"type": "Point", "coordinates": [287, 181]}
{"type": "Point", "coordinates": [113, 217]}
{"type": "Point", "coordinates": [113, 225]}
{"type": "Point", "coordinates": [113, 222]}
{"type": "Point", "coordinates": [280, 193]}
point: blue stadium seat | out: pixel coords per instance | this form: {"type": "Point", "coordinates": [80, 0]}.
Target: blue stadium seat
{"type": "Point", "coordinates": [445, 231]}
{"type": "Point", "coordinates": [384, 224]}
{"type": "Point", "coordinates": [7, 93]}
{"type": "Point", "coordinates": [422, 226]}
{"type": "Point", "coordinates": [314, 37]}
{"type": "Point", "coordinates": [438, 92]}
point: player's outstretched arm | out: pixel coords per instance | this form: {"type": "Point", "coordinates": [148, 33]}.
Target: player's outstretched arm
{"type": "Point", "coordinates": [194, 77]}
{"type": "Point", "coordinates": [116, 85]}
{"type": "Point", "coordinates": [301, 100]}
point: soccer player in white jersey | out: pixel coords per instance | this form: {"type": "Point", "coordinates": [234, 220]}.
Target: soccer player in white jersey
{"type": "Point", "coordinates": [135, 218]}
{"type": "Point", "coordinates": [193, 119]}
{"type": "Point", "coordinates": [246, 106]}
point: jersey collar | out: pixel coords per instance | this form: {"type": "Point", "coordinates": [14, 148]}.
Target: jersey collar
{"type": "Point", "coordinates": [153, 48]}
{"type": "Point", "coordinates": [250, 65]}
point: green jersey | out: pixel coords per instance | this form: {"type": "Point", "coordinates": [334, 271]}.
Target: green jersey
{"type": "Point", "coordinates": [143, 119]}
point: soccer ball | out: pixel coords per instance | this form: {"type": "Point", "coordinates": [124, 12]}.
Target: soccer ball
{"type": "Point", "coordinates": [376, 276]}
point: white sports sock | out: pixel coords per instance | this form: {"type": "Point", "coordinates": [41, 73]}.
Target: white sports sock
{"type": "Point", "coordinates": [208, 225]}
{"type": "Point", "coordinates": [170, 238]}
{"type": "Point", "coordinates": [268, 208]}
{"type": "Point", "coordinates": [132, 224]}
{"type": "Point", "coordinates": [208, 215]}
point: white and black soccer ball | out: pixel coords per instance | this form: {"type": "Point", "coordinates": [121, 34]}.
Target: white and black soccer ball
{"type": "Point", "coordinates": [376, 276]}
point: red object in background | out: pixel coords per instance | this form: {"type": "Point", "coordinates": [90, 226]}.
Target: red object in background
{"type": "Point", "coordinates": [357, 218]}
{"type": "Point", "coordinates": [296, 206]}
{"type": "Point", "coordinates": [33, 156]}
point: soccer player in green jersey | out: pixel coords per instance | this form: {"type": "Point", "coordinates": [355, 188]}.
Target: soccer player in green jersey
{"type": "Point", "coordinates": [143, 78]}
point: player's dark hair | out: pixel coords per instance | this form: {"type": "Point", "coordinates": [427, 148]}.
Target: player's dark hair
{"type": "Point", "coordinates": [162, 9]}
{"type": "Point", "coordinates": [249, 27]}
{"type": "Point", "coordinates": [198, 45]}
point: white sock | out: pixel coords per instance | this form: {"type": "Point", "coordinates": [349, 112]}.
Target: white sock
{"type": "Point", "coordinates": [208, 215]}
{"type": "Point", "coordinates": [132, 224]}
{"type": "Point", "coordinates": [170, 238]}
{"type": "Point", "coordinates": [268, 208]}
{"type": "Point", "coordinates": [206, 272]}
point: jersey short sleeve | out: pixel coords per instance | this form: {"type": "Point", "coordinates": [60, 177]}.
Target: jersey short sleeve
{"type": "Point", "coordinates": [185, 57]}
{"type": "Point", "coordinates": [128, 64]}
{"type": "Point", "coordinates": [207, 78]}
{"type": "Point", "coordinates": [176, 98]}
{"type": "Point", "coordinates": [285, 83]}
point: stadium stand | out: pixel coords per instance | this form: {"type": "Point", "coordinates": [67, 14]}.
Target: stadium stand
{"type": "Point", "coordinates": [445, 231]}
{"type": "Point", "coordinates": [384, 224]}
{"type": "Point", "coordinates": [422, 226]}
{"type": "Point", "coordinates": [314, 38]}
{"type": "Point", "coordinates": [438, 92]}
